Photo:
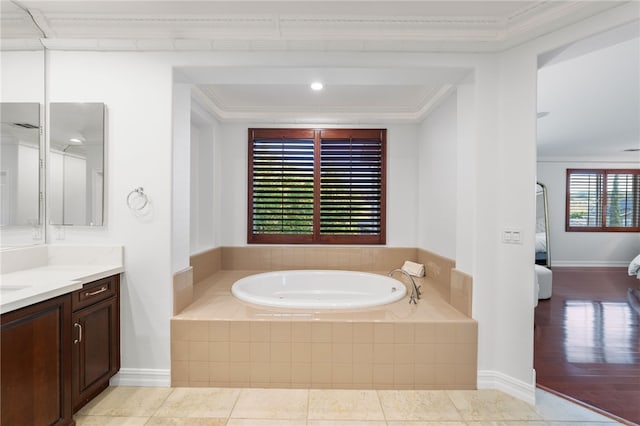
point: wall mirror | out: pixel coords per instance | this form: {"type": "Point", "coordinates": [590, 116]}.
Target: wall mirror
{"type": "Point", "coordinates": [19, 164]}
{"type": "Point", "coordinates": [543, 252]}
{"type": "Point", "coordinates": [21, 140]}
{"type": "Point", "coordinates": [76, 163]}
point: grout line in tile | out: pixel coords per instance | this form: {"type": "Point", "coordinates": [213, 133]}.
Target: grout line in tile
{"type": "Point", "coordinates": [384, 415]}
{"type": "Point", "coordinates": [233, 407]}
{"type": "Point", "coordinates": [161, 404]}
{"type": "Point", "coordinates": [308, 405]}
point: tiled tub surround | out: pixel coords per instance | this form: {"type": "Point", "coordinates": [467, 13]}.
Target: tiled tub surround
{"type": "Point", "coordinates": [220, 341]}
{"type": "Point", "coordinates": [454, 286]}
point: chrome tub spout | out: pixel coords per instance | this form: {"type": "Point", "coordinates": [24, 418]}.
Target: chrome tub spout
{"type": "Point", "coordinates": [415, 291]}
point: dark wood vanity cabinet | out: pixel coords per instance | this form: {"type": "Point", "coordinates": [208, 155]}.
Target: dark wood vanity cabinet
{"type": "Point", "coordinates": [36, 364]}
{"type": "Point", "coordinates": [95, 338]}
{"type": "Point", "coordinates": [58, 354]}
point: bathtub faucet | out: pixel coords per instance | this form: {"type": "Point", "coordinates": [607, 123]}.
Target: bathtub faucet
{"type": "Point", "coordinates": [415, 291]}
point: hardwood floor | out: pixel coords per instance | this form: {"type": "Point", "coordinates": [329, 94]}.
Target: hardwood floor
{"type": "Point", "coordinates": [587, 342]}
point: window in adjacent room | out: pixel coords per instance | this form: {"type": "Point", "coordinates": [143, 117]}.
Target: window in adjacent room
{"type": "Point", "coordinates": [606, 200]}
{"type": "Point", "coordinates": [317, 186]}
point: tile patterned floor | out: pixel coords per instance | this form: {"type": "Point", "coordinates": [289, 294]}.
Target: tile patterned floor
{"type": "Point", "coordinates": [123, 406]}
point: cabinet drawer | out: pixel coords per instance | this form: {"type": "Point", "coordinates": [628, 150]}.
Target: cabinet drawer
{"type": "Point", "coordinates": [94, 292]}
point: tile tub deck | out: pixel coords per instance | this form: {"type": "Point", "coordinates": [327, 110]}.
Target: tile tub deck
{"type": "Point", "coordinates": [220, 341]}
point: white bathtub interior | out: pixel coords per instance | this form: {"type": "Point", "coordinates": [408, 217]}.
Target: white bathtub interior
{"type": "Point", "coordinates": [318, 289]}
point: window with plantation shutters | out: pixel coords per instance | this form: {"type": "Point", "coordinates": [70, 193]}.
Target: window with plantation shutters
{"type": "Point", "coordinates": [603, 200]}
{"type": "Point", "coordinates": [317, 186]}
{"type": "Point", "coordinates": [351, 178]}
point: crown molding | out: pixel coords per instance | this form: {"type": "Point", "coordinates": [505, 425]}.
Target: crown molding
{"type": "Point", "coordinates": [334, 116]}
{"type": "Point", "coordinates": [434, 101]}
{"type": "Point", "coordinates": [212, 29]}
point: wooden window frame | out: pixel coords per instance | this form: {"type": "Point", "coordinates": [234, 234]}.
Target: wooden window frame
{"type": "Point", "coordinates": [316, 237]}
{"type": "Point", "coordinates": [603, 227]}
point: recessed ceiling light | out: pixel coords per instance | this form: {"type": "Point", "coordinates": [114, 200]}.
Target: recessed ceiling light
{"type": "Point", "coordinates": [316, 85]}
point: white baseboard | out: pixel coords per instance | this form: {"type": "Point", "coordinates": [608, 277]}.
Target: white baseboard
{"type": "Point", "coordinates": [142, 377]}
{"type": "Point", "coordinates": [589, 264]}
{"type": "Point", "coordinates": [488, 379]}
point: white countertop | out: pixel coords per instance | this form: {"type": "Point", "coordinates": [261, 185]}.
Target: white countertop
{"type": "Point", "coordinates": [24, 287]}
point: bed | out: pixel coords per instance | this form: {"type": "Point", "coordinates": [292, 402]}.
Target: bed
{"type": "Point", "coordinates": [634, 267]}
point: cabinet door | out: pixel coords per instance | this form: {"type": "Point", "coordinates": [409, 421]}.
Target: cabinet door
{"type": "Point", "coordinates": [96, 349]}
{"type": "Point", "coordinates": [36, 364]}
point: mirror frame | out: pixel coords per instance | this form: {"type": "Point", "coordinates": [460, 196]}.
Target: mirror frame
{"type": "Point", "coordinates": [545, 201]}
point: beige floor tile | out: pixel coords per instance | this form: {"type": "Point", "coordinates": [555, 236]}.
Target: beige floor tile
{"type": "Point", "coordinates": [199, 402]}
{"type": "Point", "coordinates": [418, 405]}
{"type": "Point", "coordinates": [572, 423]}
{"type": "Point", "coordinates": [551, 407]}
{"type": "Point", "coordinates": [109, 421]}
{"type": "Point", "coordinates": [271, 404]}
{"type": "Point", "coordinates": [344, 405]}
{"type": "Point", "coordinates": [265, 422]}
{"type": "Point", "coordinates": [185, 421]}
{"type": "Point", "coordinates": [272, 407]}
{"type": "Point", "coordinates": [535, 423]}
{"type": "Point", "coordinates": [127, 401]}
{"type": "Point", "coordinates": [346, 423]}
{"type": "Point", "coordinates": [426, 423]}
{"type": "Point", "coordinates": [491, 405]}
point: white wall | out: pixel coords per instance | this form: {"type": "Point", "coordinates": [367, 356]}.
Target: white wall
{"type": "Point", "coordinates": [137, 91]}
{"type": "Point", "coordinates": [515, 148]}
{"type": "Point", "coordinates": [466, 200]}
{"type": "Point", "coordinates": [437, 180]}
{"type": "Point", "coordinates": [402, 175]}
{"type": "Point", "coordinates": [582, 248]}
{"type": "Point", "coordinates": [22, 76]}
{"type": "Point", "coordinates": [180, 174]}
{"type": "Point", "coordinates": [204, 197]}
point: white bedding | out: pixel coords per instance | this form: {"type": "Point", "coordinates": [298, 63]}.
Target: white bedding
{"type": "Point", "coordinates": [634, 267]}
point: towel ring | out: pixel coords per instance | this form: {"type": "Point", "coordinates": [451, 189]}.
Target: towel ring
{"type": "Point", "coordinates": [137, 199]}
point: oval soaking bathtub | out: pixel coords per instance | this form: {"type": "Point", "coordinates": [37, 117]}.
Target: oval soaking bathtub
{"type": "Point", "coordinates": [318, 289]}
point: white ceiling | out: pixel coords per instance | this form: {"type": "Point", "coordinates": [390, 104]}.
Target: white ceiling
{"type": "Point", "coordinates": [350, 95]}
{"type": "Point", "coordinates": [592, 97]}
{"type": "Point", "coordinates": [369, 94]}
